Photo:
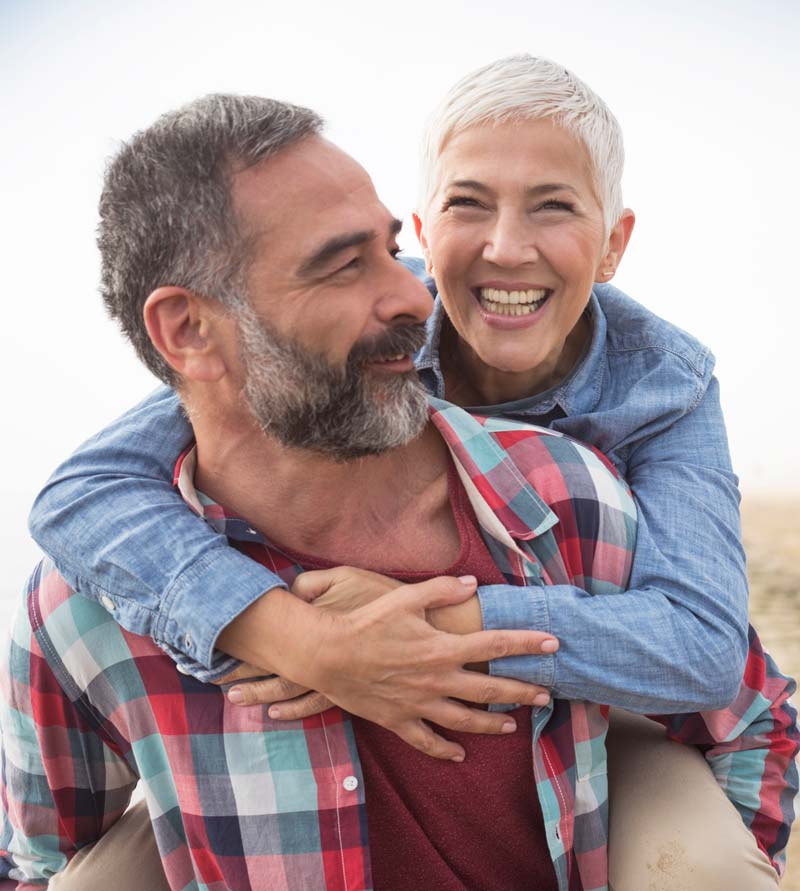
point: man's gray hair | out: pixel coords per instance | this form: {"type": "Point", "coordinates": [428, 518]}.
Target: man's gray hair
{"type": "Point", "coordinates": [521, 88]}
{"type": "Point", "coordinates": [166, 214]}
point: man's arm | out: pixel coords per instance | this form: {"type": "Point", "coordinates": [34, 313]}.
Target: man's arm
{"type": "Point", "coordinates": [62, 787]}
{"type": "Point", "coordinates": [751, 747]}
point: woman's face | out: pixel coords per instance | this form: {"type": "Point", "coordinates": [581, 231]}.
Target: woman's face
{"type": "Point", "coordinates": [515, 236]}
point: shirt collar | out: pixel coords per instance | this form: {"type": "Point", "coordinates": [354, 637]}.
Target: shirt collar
{"type": "Point", "coordinates": [217, 516]}
{"type": "Point", "coordinates": [506, 505]}
{"type": "Point", "coordinates": [500, 494]}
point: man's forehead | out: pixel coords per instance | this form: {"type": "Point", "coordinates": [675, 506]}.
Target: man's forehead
{"type": "Point", "coordinates": [305, 178]}
{"type": "Point", "coordinates": [301, 202]}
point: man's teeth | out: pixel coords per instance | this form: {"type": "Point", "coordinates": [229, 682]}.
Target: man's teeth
{"type": "Point", "coordinates": [512, 303]}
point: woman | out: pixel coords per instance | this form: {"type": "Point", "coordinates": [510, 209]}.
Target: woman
{"type": "Point", "coordinates": [520, 214]}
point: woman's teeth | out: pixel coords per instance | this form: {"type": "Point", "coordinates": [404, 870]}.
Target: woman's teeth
{"type": "Point", "coordinates": [512, 303]}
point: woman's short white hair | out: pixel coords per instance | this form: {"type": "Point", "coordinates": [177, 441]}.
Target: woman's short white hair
{"type": "Point", "coordinates": [525, 87]}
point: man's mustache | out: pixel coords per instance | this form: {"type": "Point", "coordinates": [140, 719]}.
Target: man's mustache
{"type": "Point", "coordinates": [400, 340]}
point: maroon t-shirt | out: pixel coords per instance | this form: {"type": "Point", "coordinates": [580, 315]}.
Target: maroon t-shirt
{"type": "Point", "coordinates": [437, 824]}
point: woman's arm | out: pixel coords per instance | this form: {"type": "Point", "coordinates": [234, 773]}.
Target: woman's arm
{"type": "Point", "coordinates": [120, 533]}
{"type": "Point", "coordinates": [676, 641]}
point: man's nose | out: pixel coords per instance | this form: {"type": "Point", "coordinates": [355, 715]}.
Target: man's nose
{"type": "Point", "coordinates": [510, 241]}
{"type": "Point", "coordinates": [405, 297]}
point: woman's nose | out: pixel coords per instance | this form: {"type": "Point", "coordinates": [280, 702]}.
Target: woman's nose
{"type": "Point", "coordinates": [510, 242]}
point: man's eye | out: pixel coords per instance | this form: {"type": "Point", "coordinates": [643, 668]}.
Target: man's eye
{"type": "Point", "coordinates": [355, 263]}
{"type": "Point", "coordinates": [395, 252]}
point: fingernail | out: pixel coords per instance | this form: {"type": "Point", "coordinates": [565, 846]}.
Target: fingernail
{"type": "Point", "coordinates": [508, 727]}
{"type": "Point", "coordinates": [236, 696]}
{"type": "Point", "coordinates": [274, 712]}
{"type": "Point", "coordinates": [468, 580]}
{"type": "Point", "coordinates": [457, 758]}
{"type": "Point", "coordinates": [541, 699]}
{"type": "Point", "coordinates": [549, 646]}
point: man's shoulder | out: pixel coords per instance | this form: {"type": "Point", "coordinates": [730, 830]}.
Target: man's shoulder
{"type": "Point", "coordinates": [632, 328]}
{"type": "Point", "coordinates": [531, 447]}
{"type": "Point", "coordinates": [77, 637]}
{"type": "Point", "coordinates": [510, 459]}
{"type": "Point", "coordinates": [562, 470]}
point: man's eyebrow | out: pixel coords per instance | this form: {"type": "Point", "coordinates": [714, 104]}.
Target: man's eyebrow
{"type": "Point", "coordinates": [333, 246]}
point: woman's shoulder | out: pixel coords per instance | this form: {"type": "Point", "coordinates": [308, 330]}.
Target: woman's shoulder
{"type": "Point", "coordinates": [632, 328]}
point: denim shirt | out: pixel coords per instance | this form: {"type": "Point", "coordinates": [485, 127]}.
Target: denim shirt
{"type": "Point", "coordinates": [643, 394]}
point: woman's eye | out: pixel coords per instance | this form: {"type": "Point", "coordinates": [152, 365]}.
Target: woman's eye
{"type": "Point", "coordinates": [461, 201]}
{"type": "Point", "coordinates": [554, 204]}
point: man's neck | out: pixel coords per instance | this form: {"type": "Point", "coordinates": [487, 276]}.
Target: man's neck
{"type": "Point", "coordinates": [387, 510]}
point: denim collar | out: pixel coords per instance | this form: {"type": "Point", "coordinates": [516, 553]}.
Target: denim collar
{"type": "Point", "coordinates": [578, 393]}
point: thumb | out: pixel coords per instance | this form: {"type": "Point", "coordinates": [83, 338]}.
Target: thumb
{"type": "Point", "coordinates": [314, 583]}
{"type": "Point", "coordinates": [444, 590]}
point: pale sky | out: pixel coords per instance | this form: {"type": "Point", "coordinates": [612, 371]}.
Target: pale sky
{"type": "Point", "coordinates": [707, 95]}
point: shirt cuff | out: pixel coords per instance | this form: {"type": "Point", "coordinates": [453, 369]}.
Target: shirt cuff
{"type": "Point", "coordinates": [203, 601]}
{"type": "Point", "coordinates": [524, 609]}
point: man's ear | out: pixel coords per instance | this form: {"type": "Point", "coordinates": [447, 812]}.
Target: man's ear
{"type": "Point", "coordinates": [185, 329]}
{"type": "Point", "coordinates": [617, 242]}
{"type": "Point", "coordinates": [423, 242]}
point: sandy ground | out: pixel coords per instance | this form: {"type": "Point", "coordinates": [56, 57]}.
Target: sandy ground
{"type": "Point", "coordinates": [772, 541]}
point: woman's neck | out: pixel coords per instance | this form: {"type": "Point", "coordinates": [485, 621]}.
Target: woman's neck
{"type": "Point", "coordinates": [470, 381]}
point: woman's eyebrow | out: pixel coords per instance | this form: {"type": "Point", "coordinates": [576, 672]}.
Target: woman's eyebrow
{"type": "Point", "coordinates": [547, 188]}
{"type": "Point", "coordinates": [533, 191]}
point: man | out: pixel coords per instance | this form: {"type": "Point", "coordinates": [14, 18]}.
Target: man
{"type": "Point", "coordinates": [295, 367]}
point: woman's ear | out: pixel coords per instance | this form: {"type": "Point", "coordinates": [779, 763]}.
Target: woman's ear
{"type": "Point", "coordinates": [617, 243]}
{"type": "Point", "coordinates": [423, 243]}
{"type": "Point", "coordinates": [185, 329]}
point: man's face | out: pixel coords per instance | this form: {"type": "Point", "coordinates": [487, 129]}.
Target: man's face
{"type": "Point", "coordinates": [326, 343]}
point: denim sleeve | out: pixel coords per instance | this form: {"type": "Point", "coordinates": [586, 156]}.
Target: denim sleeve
{"type": "Point", "coordinates": [121, 534]}
{"type": "Point", "coordinates": [676, 641]}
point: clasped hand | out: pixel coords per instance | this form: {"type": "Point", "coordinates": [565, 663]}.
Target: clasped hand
{"type": "Point", "coordinates": [401, 656]}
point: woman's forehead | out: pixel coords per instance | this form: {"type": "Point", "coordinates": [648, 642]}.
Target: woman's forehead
{"type": "Point", "coordinates": [525, 154]}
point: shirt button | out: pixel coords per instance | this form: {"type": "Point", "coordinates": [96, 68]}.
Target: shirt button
{"type": "Point", "coordinates": [350, 784]}
{"type": "Point", "coordinates": [108, 603]}
{"type": "Point", "coordinates": [182, 668]}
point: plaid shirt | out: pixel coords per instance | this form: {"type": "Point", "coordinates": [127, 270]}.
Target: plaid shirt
{"type": "Point", "coordinates": [239, 801]}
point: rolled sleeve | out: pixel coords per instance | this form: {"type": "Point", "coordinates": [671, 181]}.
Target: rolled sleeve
{"type": "Point", "coordinates": [188, 624]}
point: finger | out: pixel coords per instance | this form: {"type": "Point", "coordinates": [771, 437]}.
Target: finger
{"type": "Point", "coordinates": [486, 688]}
{"type": "Point", "coordinates": [484, 646]}
{"type": "Point", "coordinates": [275, 689]}
{"type": "Point", "coordinates": [302, 707]}
{"type": "Point", "coordinates": [422, 737]}
{"type": "Point", "coordinates": [441, 591]}
{"type": "Point", "coordinates": [242, 672]}
{"type": "Point", "coordinates": [461, 718]}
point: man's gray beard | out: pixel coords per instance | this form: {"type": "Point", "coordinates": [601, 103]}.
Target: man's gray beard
{"type": "Point", "coordinates": [342, 413]}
